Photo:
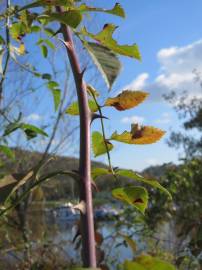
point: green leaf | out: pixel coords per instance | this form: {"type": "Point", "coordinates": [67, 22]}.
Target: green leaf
{"type": "Point", "coordinates": [71, 18]}
{"type": "Point", "coordinates": [2, 41]}
{"type": "Point", "coordinates": [11, 128]}
{"type": "Point", "coordinates": [152, 182]}
{"type": "Point", "coordinates": [73, 109]}
{"type": "Point", "coordinates": [96, 172]}
{"type": "Point", "coordinates": [99, 145]}
{"type": "Point", "coordinates": [56, 97]}
{"type": "Point", "coordinates": [52, 84]}
{"type": "Point", "coordinates": [17, 30]}
{"type": "Point", "coordinates": [49, 43]}
{"type": "Point", "coordinates": [147, 262]}
{"type": "Point", "coordinates": [32, 131]}
{"type": "Point", "coordinates": [49, 31]}
{"type": "Point", "coordinates": [44, 3]}
{"type": "Point", "coordinates": [135, 196]}
{"type": "Point", "coordinates": [35, 28]}
{"type": "Point", "coordinates": [44, 51]}
{"type": "Point", "coordinates": [46, 76]}
{"type": "Point", "coordinates": [116, 10]}
{"type": "Point", "coordinates": [105, 38]}
{"type": "Point", "coordinates": [106, 61]}
{"type": "Point", "coordinates": [7, 151]}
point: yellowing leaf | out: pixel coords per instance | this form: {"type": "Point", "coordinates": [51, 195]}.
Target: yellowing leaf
{"type": "Point", "coordinates": [73, 109]}
{"type": "Point", "coordinates": [139, 135]}
{"type": "Point", "coordinates": [99, 145]}
{"type": "Point", "coordinates": [21, 49]}
{"type": "Point", "coordinates": [135, 196]}
{"type": "Point", "coordinates": [126, 100]}
{"type": "Point", "coordinates": [105, 38]}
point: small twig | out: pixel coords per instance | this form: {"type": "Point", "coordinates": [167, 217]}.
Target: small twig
{"type": "Point", "coordinates": [8, 54]}
{"type": "Point", "coordinates": [103, 134]}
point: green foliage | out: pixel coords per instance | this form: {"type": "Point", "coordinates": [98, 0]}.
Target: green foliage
{"type": "Point", "coordinates": [7, 151]}
{"type": "Point", "coordinates": [106, 61]}
{"type": "Point", "coordinates": [30, 131]}
{"type": "Point", "coordinates": [116, 10]}
{"type": "Point", "coordinates": [56, 92]}
{"type": "Point", "coordinates": [72, 18]}
{"type": "Point", "coordinates": [146, 262]}
{"type": "Point", "coordinates": [135, 196]}
{"type": "Point", "coordinates": [105, 39]}
{"type": "Point", "coordinates": [44, 51]}
{"type": "Point", "coordinates": [100, 145]}
{"type": "Point", "coordinates": [73, 109]}
{"type": "Point", "coordinates": [184, 183]}
{"type": "Point", "coordinates": [152, 182]}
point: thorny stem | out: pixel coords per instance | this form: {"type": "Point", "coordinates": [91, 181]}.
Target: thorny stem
{"type": "Point", "coordinates": [8, 54]}
{"type": "Point", "coordinates": [87, 219]}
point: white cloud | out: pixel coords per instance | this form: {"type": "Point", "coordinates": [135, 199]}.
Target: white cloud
{"type": "Point", "coordinates": [133, 119]}
{"type": "Point", "coordinates": [138, 83]}
{"type": "Point", "coordinates": [175, 72]}
{"type": "Point", "coordinates": [165, 119]}
{"type": "Point", "coordinates": [163, 53]}
{"type": "Point", "coordinates": [33, 117]}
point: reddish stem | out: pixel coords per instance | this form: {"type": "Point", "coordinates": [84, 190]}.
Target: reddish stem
{"type": "Point", "coordinates": [87, 220]}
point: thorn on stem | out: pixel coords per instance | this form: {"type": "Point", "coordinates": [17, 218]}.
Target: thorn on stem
{"type": "Point", "coordinates": [67, 44]}
{"type": "Point", "coordinates": [95, 186]}
{"type": "Point", "coordinates": [97, 116]}
{"type": "Point", "coordinates": [82, 72]}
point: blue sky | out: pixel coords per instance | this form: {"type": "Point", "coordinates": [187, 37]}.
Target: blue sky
{"type": "Point", "coordinates": [169, 35]}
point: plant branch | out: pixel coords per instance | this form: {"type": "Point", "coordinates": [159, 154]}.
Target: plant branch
{"type": "Point", "coordinates": [103, 133]}
{"type": "Point", "coordinates": [87, 219]}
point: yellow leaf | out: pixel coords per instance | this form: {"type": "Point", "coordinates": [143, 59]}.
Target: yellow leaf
{"type": "Point", "coordinates": [21, 49]}
{"type": "Point", "coordinates": [139, 135]}
{"type": "Point", "coordinates": [126, 100]}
